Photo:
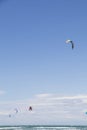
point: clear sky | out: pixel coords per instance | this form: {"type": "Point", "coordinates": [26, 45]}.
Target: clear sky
{"type": "Point", "coordinates": [34, 58]}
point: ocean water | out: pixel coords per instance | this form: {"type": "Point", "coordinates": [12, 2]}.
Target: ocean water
{"type": "Point", "coordinates": [43, 127]}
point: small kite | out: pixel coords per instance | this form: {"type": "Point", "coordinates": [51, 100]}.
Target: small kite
{"type": "Point", "coordinates": [86, 113]}
{"type": "Point", "coordinates": [70, 41]}
{"type": "Point", "coordinates": [13, 112]}
{"type": "Point", "coordinates": [30, 108]}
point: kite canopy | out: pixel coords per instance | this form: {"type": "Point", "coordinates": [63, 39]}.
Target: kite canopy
{"type": "Point", "coordinates": [71, 42]}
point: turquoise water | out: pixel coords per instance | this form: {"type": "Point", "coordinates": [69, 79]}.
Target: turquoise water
{"type": "Point", "coordinates": [43, 127]}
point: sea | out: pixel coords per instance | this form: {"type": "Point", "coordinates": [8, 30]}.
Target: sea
{"type": "Point", "coordinates": [43, 127]}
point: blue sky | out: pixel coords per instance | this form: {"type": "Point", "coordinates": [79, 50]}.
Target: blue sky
{"type": "Point", "coordinates": [34, 58]}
